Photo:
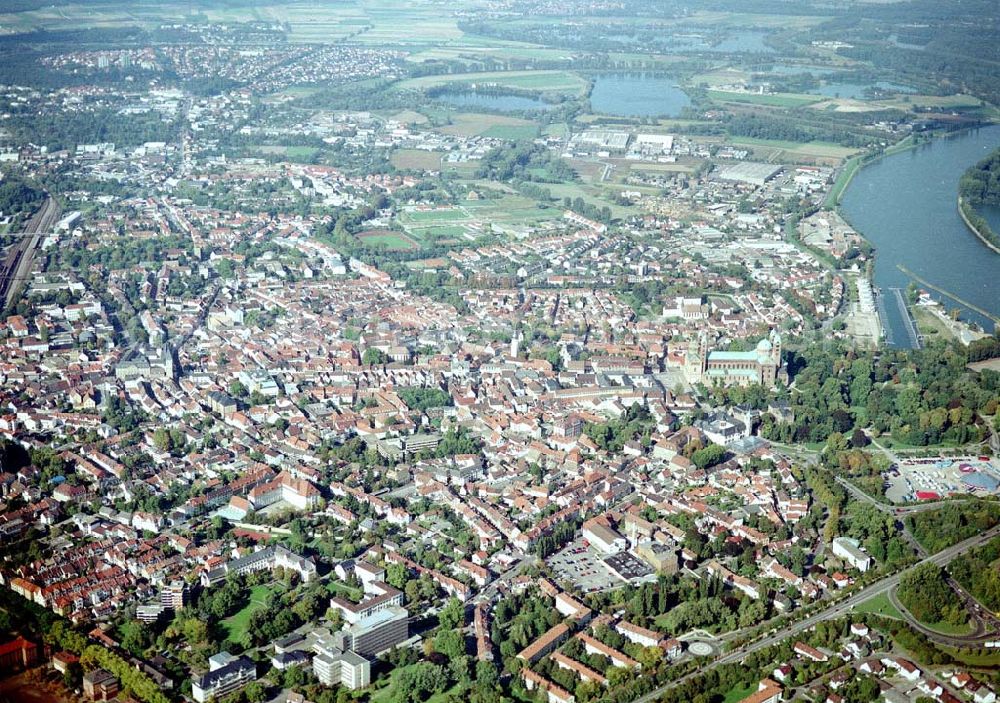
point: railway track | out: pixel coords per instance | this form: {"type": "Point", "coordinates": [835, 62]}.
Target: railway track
{"type": "Point", "coordinates": [16, 267]}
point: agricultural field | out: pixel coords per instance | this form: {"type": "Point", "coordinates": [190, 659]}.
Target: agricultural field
{"type": "Point", "coordinates": [470, 52]}
{"type": "Point", "coordinates": [791, 150]}
{"type": "Point", "coordinates": [773, 100]}
{"type": "Point", "coordinates": [416, 159]}
{"type": "Point", "coordinates": [474, 124]}
{"type": "Point", "coordinates": [662, 168]}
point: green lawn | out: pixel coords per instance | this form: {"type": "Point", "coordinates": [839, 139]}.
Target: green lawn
{"type": "Point", "coordinates": [235, 626]}
{"type": "Point", "coordinates": [339, 588]}
{"type": "Point", "coordinates": [439, 231]}
{"type": "Point", "coordinates": [880, 605]}
{"type": "Point", "coordinates": [293, 153]}
{"type": "Point", "coordinates": [388, 239]}
{"type": "Point", "coordinates": [435, 215]}
{"type": "Point", "coordinates": [946, 628]}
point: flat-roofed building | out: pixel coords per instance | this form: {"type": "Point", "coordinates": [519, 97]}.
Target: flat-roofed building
{"type": "Point", "coordinates": [600, 535]}
{"type": "Point", "coordinates": [378, 632]}
{"type": "Point", "coordinates": [346, 668]}
{"type": "Point", "coordinates": [850, 551]}
{"type": "Point", "coordinates": [750, 172]}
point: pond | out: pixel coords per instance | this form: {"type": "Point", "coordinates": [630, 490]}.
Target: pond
{"type": "Point", "coordinates": [638, 95]}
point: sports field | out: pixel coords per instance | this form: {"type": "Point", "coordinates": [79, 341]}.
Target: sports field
{"type": "Point", "coordinates": [394, 241]}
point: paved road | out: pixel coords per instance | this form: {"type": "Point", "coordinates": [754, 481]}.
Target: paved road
{"type": "Point", "coordinates": [896, 509]}
{"type": "Point", "coordinates": [843, 607]}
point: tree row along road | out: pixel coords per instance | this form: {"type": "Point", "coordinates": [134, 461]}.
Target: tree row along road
{"type": "Point", "coordinates": [942, 558]}
{"type": "Point", "coordinates": [16, 267]}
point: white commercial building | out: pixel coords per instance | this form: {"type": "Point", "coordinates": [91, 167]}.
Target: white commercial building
{"type": "Point", "coordinates": [850, 551]}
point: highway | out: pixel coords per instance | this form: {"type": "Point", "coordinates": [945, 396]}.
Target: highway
{"type": "Point", "coordinates": [16, 267]}
{"type": "Point", "coordinates": [885, 585]}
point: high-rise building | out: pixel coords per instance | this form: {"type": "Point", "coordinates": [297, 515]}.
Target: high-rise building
{"type": "Point", "coordinates": [174, 595]}
{"type": "Point", "coordinates": [349, 669]}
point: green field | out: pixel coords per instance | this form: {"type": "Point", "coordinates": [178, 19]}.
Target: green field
{"type": "Point", "coordinates": [513, 210]}
{"type": "Point", "coordinates": [946, 628]}
{"type": "Point", "coordinates": [417, 159]}
{"type": "Point", "coordinates": [235, 626]}
{"type": "Point", "coordinates": [388, 239]}
{"type": "Point", "coordinates": [293, 153]}
{"type": "Point", "coordinates": [775, 100]}
{"type": "Point", "coordinates": [512, 132]}
{"type": "Point", "coordinates": [880, 605]}
{"type": "Point", "coordinates": [435, 215]}
{"type": "Point", "coordinates": [820, 149]}
{"type": "Point", "coordinates": [441, 232]}
{"type": "Point", "coordinates": [335, 587]}
{"type": "Point", "coordinates": [460, 51]}
{"type": "Point", "coordinates": [473, 124]}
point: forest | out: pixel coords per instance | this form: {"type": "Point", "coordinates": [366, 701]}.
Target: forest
{"type": "Point", "coordinates": [981, 184]}
{"type": "Point", "coordinates": [977, 572]}
{"type": "Point", "coordinates": [939, 529]}
{"type": "Point", "coordinates": [924, 591]}
{"type": "Point", "coordinates": [923, 397]}
{"type": "Point", "coordinates": [18, 197]}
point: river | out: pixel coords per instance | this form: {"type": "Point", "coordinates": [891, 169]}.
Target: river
{"type": "Point", "coordinates": [906, 206]}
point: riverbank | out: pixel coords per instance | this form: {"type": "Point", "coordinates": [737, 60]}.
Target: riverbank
{"type": "Point", "coordinates": [900, 206]}
{"type": "Point", "coordinates": [932, 320]}
{"type": "Point", "coordinates": [972, 227]}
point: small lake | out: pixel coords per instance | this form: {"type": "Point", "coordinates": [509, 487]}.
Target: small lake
{"type": "Point", "coordinates": [509, 103]}
{"type": "Point", "coordinates": [638, 95]}
{"type": "Point", "coordinates": [906, 205]}
{"type": "Point", "coordinates": [844, 89]}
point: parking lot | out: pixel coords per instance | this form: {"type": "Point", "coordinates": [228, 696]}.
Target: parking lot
{"type": "Point", "coordinates": [581, 565]}
{"type": "Point", "coordinates": [938, 477]}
